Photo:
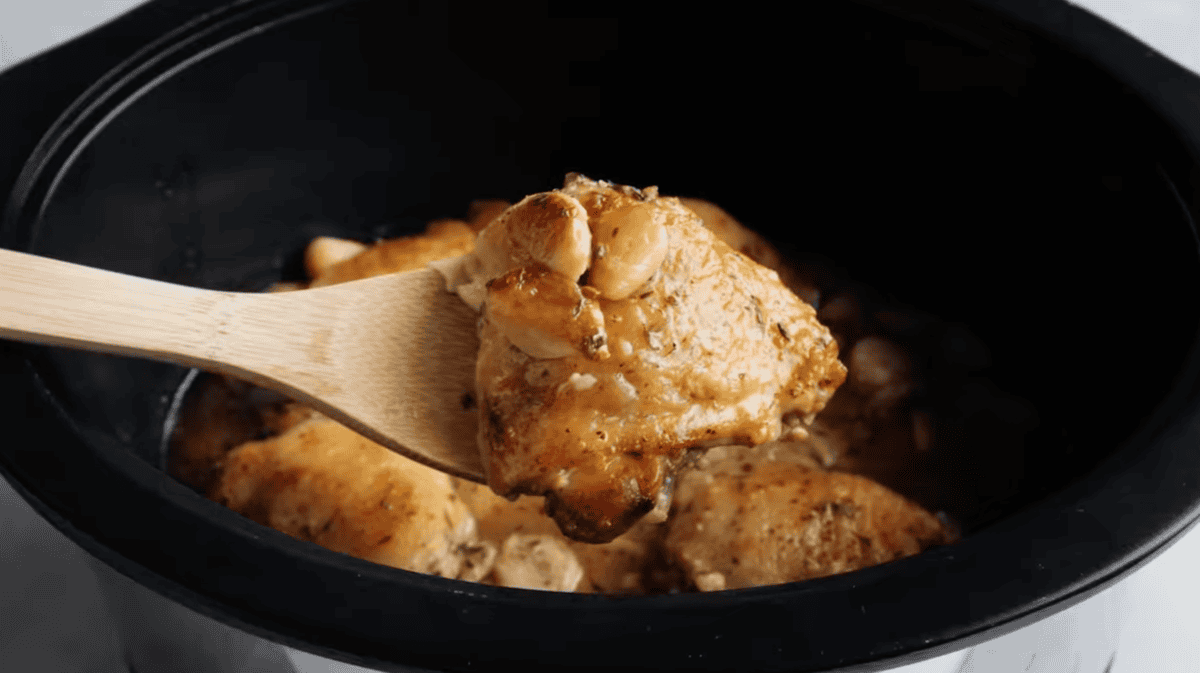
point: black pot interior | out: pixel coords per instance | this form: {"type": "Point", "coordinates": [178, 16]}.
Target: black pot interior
{"type": "Point", "coordinates": [1002, 188]}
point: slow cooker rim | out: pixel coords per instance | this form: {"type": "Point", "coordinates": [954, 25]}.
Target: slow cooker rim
{"type": "Point", "coordinates": [147, 478]}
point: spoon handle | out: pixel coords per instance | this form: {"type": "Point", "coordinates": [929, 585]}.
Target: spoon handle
{"type": "Point", "coordinates": [392, 357]}
{"type": "Point", "coordinates": [57, 303]}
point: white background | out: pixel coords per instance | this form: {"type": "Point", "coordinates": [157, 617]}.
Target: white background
{"type": "Point", "coordinates": [53, 621]}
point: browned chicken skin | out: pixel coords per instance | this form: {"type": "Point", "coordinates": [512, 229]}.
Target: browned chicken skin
{"type": "Point", "coordinates": [747, 521]}
{"type": "Point", "coordinates": [320, 481]}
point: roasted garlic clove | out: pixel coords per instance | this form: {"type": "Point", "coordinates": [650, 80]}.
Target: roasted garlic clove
{"type": "Point", "coordinates": [630, 245]}
{"type": "Point", "coordinates": [545, 314]}
{"type": "Point", "coordinates": [549, 228]}
{"type": "Point", "coordinates": [540, 562]}
{"type": "Point", "coordinates": [323, 252]}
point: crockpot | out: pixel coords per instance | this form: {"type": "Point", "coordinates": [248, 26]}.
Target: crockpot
{"type": "Point", "coordinates": [1019, 169]}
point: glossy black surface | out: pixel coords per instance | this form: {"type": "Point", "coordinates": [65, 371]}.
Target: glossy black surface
{"type": "Point", "coordinates": [947, 155]}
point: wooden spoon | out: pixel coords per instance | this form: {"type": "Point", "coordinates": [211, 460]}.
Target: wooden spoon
{"type": "Point", "coordinates": [392, 357]}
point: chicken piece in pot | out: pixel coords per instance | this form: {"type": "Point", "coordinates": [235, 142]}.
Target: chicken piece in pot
{"type": "Point", "coordinates": [745, 521]}
{"type": "Point", "coordinates": [322, 482]}
{"type": "Point", "coordinates": [333, 261]}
